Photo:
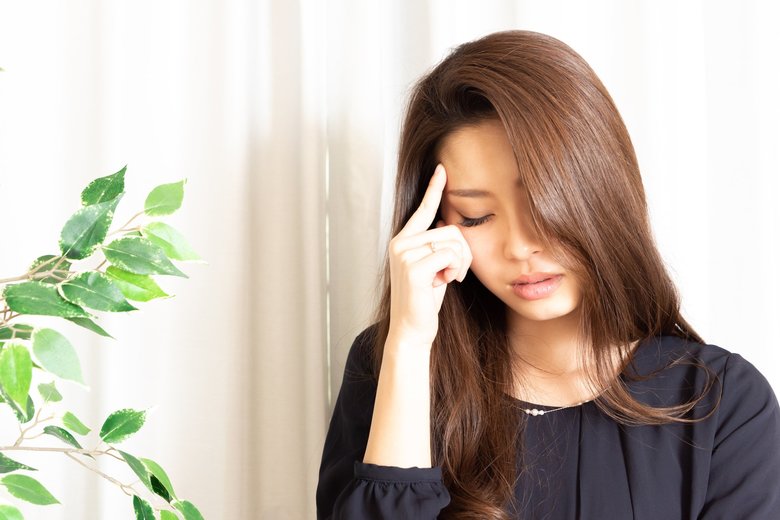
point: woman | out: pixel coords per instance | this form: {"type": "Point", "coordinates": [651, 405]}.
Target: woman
{"type": "Point", "coordinates": [529, 358]}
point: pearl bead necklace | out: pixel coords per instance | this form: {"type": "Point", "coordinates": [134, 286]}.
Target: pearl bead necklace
{"type": "Point", "coordinates": [536, 411]}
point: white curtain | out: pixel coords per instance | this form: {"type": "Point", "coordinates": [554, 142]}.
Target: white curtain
{"type": "Point", "coordinates": [284, 118]}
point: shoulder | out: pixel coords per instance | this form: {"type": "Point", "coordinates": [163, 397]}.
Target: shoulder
{"type": "Point", "coordinates": [360, 358]}
{"type": "Point", "coordinates": [668, 370]}
{"type": "Point", "coordinates": [659, 352]}
{"type": "Point", "coordinates": [662, 353]}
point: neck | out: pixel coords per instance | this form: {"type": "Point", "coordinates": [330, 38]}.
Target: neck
{"type": "Point", "coordinates": [549, 347]}
{"type": "Point", "coordinates": [548, 360]}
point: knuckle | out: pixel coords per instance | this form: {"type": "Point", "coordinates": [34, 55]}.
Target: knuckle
{"type": "Point", "coordinates": [395, 246]}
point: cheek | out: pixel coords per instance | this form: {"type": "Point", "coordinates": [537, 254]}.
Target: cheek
{"type": "Point", "coordinates": [482, 253]}
{"type": "Point", "coordinates": [575, 290]}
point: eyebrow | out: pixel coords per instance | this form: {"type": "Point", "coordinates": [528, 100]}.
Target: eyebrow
{"type": "Point", "coordinates": [469, 193]}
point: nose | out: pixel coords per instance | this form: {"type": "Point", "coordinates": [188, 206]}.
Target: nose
{"type": "Point", "coordinates": [521, 241]}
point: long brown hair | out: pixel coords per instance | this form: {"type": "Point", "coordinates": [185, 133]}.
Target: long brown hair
{"type": "Point", "coordinates": [580, 171]}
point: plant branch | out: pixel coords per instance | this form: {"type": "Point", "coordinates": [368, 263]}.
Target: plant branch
{"type": "Point", "coordinates": [36, 422]}
{"type": "Point", "coordinates": [58, 450]}
{"type": "Point", "coordinates": [123, 487]}
{"type": "Point", "coordinates": [125, 228]}
{"type": "Point", "coordinates": [109, 450]}
{"type": "Point", "coordinates": [8, 316]}
{"type": "Point", "coordinates": [128, 489]}
{"type": "Point", "coordinates": [29, 275]}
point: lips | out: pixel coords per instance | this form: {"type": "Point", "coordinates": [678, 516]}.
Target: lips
{"type": "Point", "coordinates": [536, 286]}
{"type": "Point", "coordinates": [533, 278]}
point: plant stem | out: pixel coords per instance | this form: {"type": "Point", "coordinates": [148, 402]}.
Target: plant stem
{"type": "Point", "coordinates": [125, 228]}
{"type": "Point", "coordinates": [35, 423]}
{"type": "Point", "coordinates": [31, 272]}
{"type": "Point", "coordinates": [8, 316]}
{"type": "Point", "coordinates": [128, 489]}
{"type": "Point", "coordinates": [59, 259]}
{"type": "Point", "coordinates": [59, 450]}
{"type": "Point", "coordinates": [123, 487]}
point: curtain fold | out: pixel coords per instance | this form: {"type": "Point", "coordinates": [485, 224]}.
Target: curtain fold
{"type": "Point", "coordinates": [287, 241]}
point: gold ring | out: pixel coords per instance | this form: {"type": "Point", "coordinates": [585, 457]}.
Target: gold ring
{"type": "Point", "coordinates": [433, 247]}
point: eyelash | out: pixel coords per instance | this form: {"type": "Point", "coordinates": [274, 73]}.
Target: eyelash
{"type": "Point", "coordinates": [471, 222]}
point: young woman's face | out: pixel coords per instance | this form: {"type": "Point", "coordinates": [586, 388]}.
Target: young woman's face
{"type": "Point", "coordinates": [484, 199]}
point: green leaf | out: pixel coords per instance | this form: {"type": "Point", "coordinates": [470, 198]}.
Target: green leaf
{"type": "Point", "coordinates": [167, 515]}
{"type": "Point", "coordinates": [10, 512]}
{"type": "Point", "coordinates": [164, 199]}
{"type": "Point", "coordinates": [86, 229]}
{"type": "Point", "coordinates": [170, 240]}
{"type": "Point", "coordinates": [138, 468]}
{"type": "Point", "coordinates": [62, 269]}
{"type": "Point", "coordinates": [189, 510]}
{"type": "Point", "coordinates": [156, 470]}
{"type": "Point", "coordinates": [104, 189]}
{"type": "Point", "coordinates": [95, 290]}
{"type": "Point", "coordinates": [158, 488]}
{"type": "Point", "coordinates": [29, 411]}
{"type": "Point", "coordinates": [41, 299]}
{"type": "Point", "coordinates": [73, 422]}
{"type": "Point", "coordinates": [139, 256]}
{"type": "Point", "coordinates": [49, 392]}
{"type": "Point", "coordinates": [143, 511]}
{"type": "Point", "coordinates": [138, 287]}
{"type": "Point", "coordinates": [28, 489]}
{"type": "Point", "coordinates": [16, 372]}
{"type": "Point", "coordinates": [63, 435]}
{"type": "Point", "coordinates": [122, 424]}
{"type": "Point", "coordinates": [16, 331]}
{"type": "Point", "coordinates": [57, 355]}
{"type": "Point", "coordinates": [24, 415]}
{"type": "Point", "coordinates": [8, 465]}
{"type": "Point", "coordinates": [90, 325]}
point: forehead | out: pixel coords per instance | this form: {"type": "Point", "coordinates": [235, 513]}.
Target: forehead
{"type": "Point", "coordinates": [479, 155]}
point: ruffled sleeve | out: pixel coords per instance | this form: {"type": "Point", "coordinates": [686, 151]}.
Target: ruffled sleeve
{"type": "Point", "coordinates": [350, 489]}
{"type": "Point", "coordinates": [745, 466]}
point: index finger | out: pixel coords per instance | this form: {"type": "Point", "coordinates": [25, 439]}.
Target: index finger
{"type": "Point", "coordinates": [423, 217]}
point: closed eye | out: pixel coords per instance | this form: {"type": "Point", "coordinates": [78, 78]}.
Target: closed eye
{"type": "Point", "coordinates": [471, 222]}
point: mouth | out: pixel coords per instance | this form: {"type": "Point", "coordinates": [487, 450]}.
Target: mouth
{"type": "Point", "coordinates": [528, 279]}
{"type": "Point", "coordinates": [536, 286]}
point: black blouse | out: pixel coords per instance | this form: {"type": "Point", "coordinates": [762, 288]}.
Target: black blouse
{"type": "Point", "coordinates": [583, 464]}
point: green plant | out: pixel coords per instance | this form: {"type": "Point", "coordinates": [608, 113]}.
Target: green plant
{"type": "Point", "coordinates": [53, 286]}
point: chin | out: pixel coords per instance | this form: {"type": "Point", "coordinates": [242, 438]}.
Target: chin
{"type": "Point", "coordinates": [544, 310]}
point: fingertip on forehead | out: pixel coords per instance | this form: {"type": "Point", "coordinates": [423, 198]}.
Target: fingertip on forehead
{"type": "Point", "coordinates": [440, 170]}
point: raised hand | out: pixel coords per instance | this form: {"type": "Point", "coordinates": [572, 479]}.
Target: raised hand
{"type": "Point", "coordinates": [422, 262]}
